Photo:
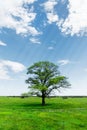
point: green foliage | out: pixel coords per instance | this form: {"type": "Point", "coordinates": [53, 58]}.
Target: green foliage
{"type": "Point", "coordinates": [25, 95]}
{"type": "Point", "coordinates": [44, 77]}
{"type": "Point", "coordinates": [28, 114]}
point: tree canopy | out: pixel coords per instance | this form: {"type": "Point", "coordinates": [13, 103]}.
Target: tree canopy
{"type": "Point", "coordinates": [44, 77]}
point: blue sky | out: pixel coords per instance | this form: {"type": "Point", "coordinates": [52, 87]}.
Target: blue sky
{"type": "Point", "coordinates": [39, 30]}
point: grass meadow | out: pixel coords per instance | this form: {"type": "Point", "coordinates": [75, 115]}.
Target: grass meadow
{"type": "Point", "coordinates": [57, 114]}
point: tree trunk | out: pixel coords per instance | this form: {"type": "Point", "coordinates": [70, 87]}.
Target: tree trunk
{"type": "Point", "coordinates": [43, 99]}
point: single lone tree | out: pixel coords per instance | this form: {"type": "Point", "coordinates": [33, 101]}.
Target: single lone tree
{"type": "Point", "coordinates": [44, 77]}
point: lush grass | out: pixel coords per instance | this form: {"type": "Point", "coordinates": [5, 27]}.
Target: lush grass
{"type": "Point", "coordinates": [28, 114]}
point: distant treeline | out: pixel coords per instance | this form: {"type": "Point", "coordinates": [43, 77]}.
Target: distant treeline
{"type": "Point", "coordinates": [65, 97]}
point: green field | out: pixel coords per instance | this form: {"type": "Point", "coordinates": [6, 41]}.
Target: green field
{"type": "Point", "coordinates": [28, 114]}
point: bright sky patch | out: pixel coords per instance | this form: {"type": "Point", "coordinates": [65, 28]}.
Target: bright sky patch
{"type": "Point", "coordinates": [42, 30]}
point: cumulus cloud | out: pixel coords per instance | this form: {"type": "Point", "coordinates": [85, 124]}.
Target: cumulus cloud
{"type": "Point", "coordinates": [63, 62]}
{"type": "Point", "coordinates": [5, 65]}
{"type": "Point", "coordinates": [50, 12]}
{"type": "Point", "coordinates": [15, 16]}
{"type": "Point", "coordinates": [49, 5]}
{"type": "Point", "coordinates": [2, 43]}
{"type": "Point", "coordinates": [76, 22]}
{"type": "Point", "coordinates": [35, 40]}
{"type": "Point", "coordinates": [52, 17]}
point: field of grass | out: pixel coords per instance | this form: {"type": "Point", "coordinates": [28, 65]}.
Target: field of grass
{"type": "Point", "coordinates": [28, 114]}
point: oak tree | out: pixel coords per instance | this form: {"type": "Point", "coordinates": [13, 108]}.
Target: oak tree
{"type": "Point", "coordinates": [44, 78]}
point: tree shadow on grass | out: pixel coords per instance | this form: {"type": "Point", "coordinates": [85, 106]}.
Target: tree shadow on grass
{"type": "Point", "coordinates": [54, 106]}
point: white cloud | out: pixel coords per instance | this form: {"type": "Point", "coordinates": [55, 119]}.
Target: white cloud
{"type": "Point", "coordinates": [50, 48]}
{"type": "Point", "coordinates": [49, 8]}
{"type": "Point", "coordinates": [64, 62]}
{"type": "Point", "coordinates": [15, 16]}
{"type": "Point", "coordinates": [52, 17]}
{"type": "Point", "coordinates": [76, 22]}
{"type": "Point", "coordinates": [35, 40]}
{"type": "Point", "coordinates": [4, 74]}
{"type": "Point", "coordinates": [2, 43]}
{"type": "Point", "coordinates": [49, 5]}
{"type": "Point", "coordinates": [14, 66]}
{"type": "Point", "coordinates": [5, 65]}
